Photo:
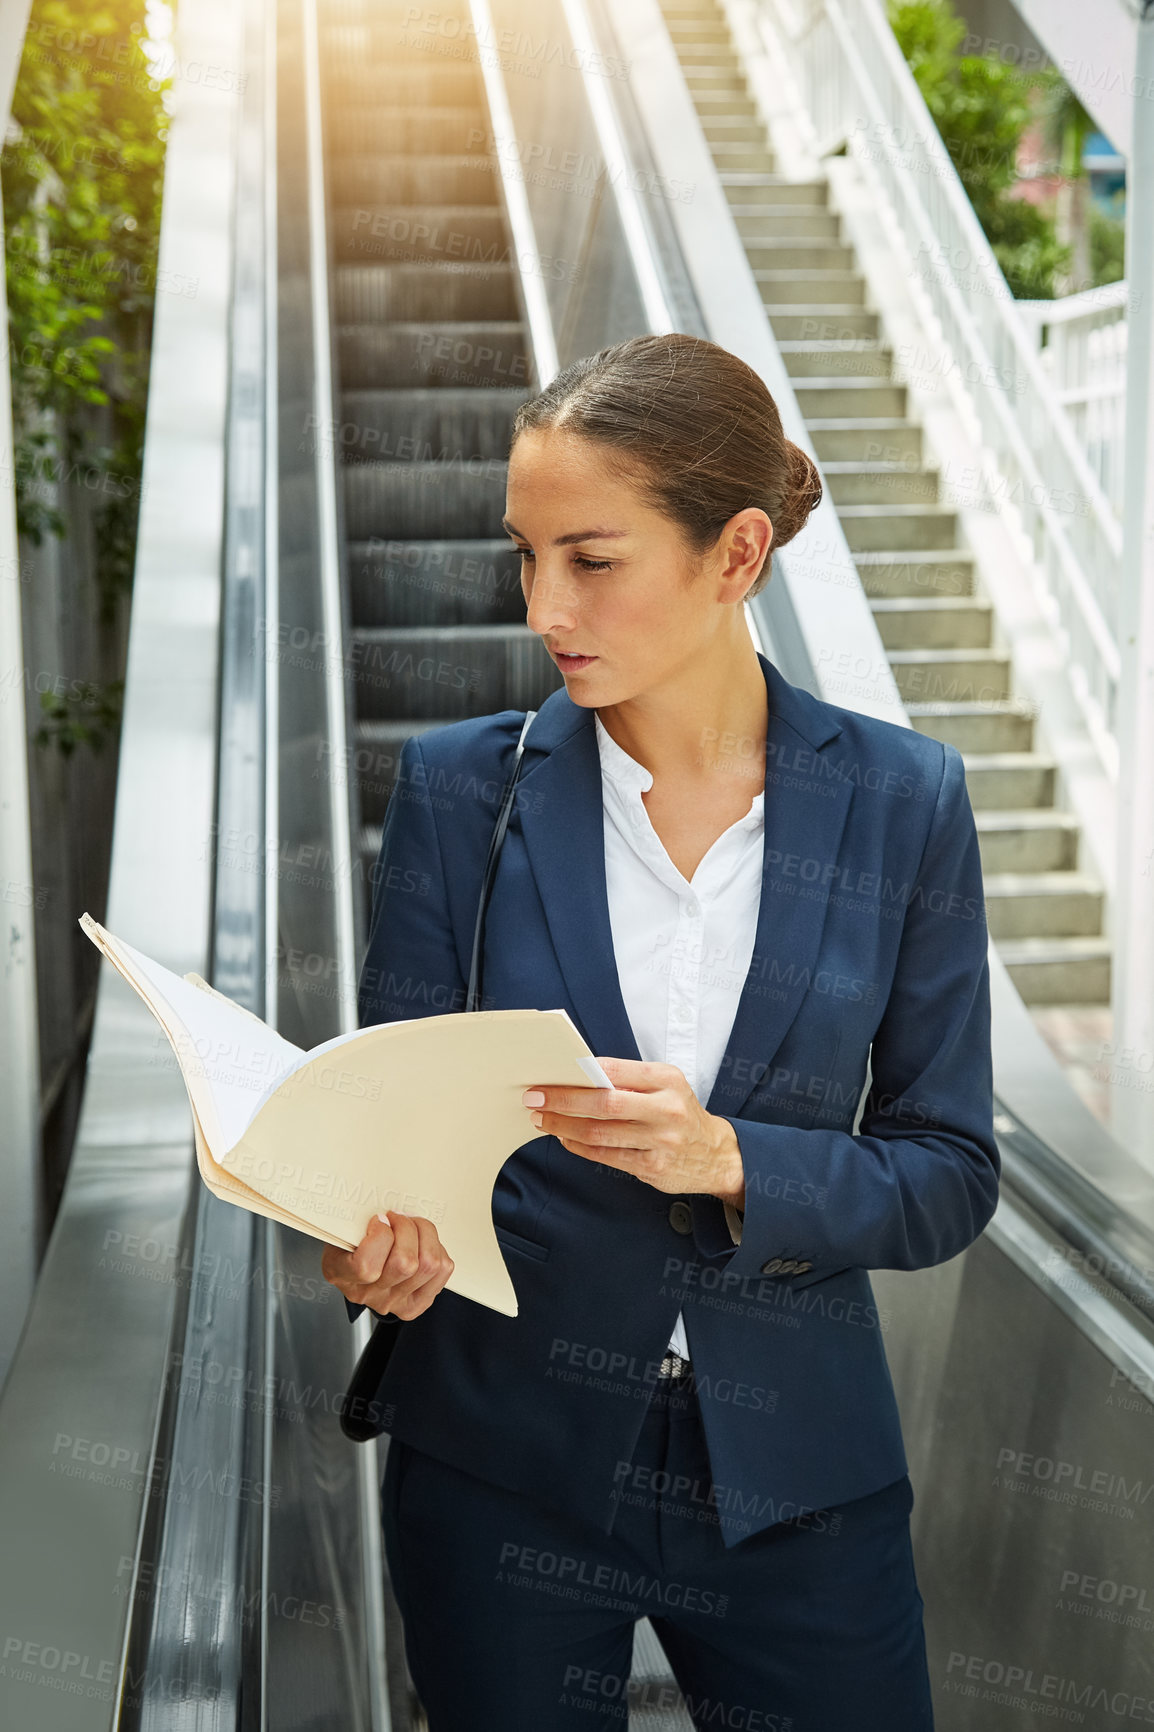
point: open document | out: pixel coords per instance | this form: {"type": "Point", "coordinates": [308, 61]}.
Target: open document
{"type": "Point", "coordinates": [415, 1116]}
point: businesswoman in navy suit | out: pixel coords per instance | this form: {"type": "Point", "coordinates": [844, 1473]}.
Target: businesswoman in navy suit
{"type": "Point", "coordinates": [765, 915]}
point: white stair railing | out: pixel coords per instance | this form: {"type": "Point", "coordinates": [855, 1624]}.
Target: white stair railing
{"type": "Point", "coordinates": [859, 92]}
{"type": "Point", "coordinates": [1085, 360]}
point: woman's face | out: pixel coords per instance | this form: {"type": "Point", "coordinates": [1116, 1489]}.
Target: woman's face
{"type": "Point", "coordinates": [607, 575]}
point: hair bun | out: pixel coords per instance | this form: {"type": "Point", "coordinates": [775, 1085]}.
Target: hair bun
{"type": "Point", "coordinates": [802, 495]}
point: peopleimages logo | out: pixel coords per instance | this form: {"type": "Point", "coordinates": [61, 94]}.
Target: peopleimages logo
{"type": "Point", "coordinates": [526, 1565]}
{"type": "Point", "coordinates": [1017, 1684]}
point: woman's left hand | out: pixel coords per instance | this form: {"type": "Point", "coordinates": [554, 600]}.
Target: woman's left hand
{"type": "Point", "coordinates": [650, 1124]}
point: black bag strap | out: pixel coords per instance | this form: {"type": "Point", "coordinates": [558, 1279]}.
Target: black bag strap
{"type": "Point", "coordinates": [359, 1418]}
{"type": "Point", "coordinates": [473, 997]}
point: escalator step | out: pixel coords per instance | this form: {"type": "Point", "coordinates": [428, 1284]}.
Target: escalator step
{"type": "Point", "coordinates": [376, 753]}
{"type": "Point", "coordinates": [378, 33]}
{"type": "Point", "coordinates": [449, 672]}
{"type": "Point", "coordinates": [432, 360]}
{"type": "Point", "coordinates": [407, 179]}
{"type": "Point", "coordinates": [447, 425]}
{"type": "Point", "coordinates": [420, 234]}
{"type": "Point", "coordinates": [424, 583]}
{"type": "Point", "coordinates": [419, 501]}
{"type": "Point", "coordinates": [410, 84]}
{"type": "Point", "coordinates": [439, 354]}
{"type": "Point", "coordinates": [361, 128]}
{"type": "Point", "coordinates": [375, 293]}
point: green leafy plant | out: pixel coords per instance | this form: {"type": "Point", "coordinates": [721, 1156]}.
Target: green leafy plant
{"type": "Point", "coordinates": [982, 107]}
{"type": "Point", "coordinates": [87, 716]}
{"type": "Point", "coordinates": [82, 172]}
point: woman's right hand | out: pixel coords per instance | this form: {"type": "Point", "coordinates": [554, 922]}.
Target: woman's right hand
{"type": "Point", "coordinates": [399, 1266]}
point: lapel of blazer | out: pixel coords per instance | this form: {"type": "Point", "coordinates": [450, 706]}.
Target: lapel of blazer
{"type": "Point", "coordinates": [562, 820]}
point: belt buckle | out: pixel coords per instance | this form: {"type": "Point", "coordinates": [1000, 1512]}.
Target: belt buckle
{"type": "Point", "coordinates": [674, 1367]}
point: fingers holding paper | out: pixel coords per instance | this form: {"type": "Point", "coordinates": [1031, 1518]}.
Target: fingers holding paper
{"type": "Point", "coordinates": [399, 1266]}
{"type": "Point", "coordinates": [650, 1124]}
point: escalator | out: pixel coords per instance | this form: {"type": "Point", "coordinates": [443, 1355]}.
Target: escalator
{"type": "Point", "coordinates": [432, 355]}
{"type": "Point", "coordinates": [432, 358]}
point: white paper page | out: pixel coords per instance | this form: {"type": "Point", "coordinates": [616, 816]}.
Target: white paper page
{"type": "Point", "coordinates": [243, 1060]}
{"type": "Point", "coordinates": [594, 1071]}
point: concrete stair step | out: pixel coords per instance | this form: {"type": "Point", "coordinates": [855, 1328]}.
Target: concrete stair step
{"type": "Point", "coordinates": [692, 27]}
{"type": "Point", "coordinates": [933, 622]}
{"type": "Point", "coordinates": [790, 254]}
{"type": "Point", "coordinates": [852, 358]}
{"type": "Point", "coordinates": [732, 129]}
{"type": "Point", "coordinates": [952, 676]}
{"type": "Point", "coordinates": [784, 288]}
{"type": "Point", "coordinates": [831, 321]}
{"type": "Point", "coordinates": [833, 399]}
{"type": "Point", "coordinates": [1043, 905]}
{"type": "Point", "coordinates": [716, 51]}
{"type": "Point", "coordinates": [1007, 726]}
{"type": "Point", "coordinates": [1059, 970]}
{"type": "Point", "coordinates": [942, 571]}
{"type": "Point", "coordinates": [749, 188]}
{"type": "Point", "coordinates": [897, 528]}
{"type": "Point", "coordinates": [774, 221]}
{"type": "Point", "coordinates": [1027, 840]}
{"type": "Point", "coordinates": [713, 81]}
{"type": "Point", "coordinates": [869, 439]}
{"type": "Point", "coordinates": [737, 158]}
{"type": "Point", "coordinates": [709, 104]}
{"type": "Point", "coordinates": [1003, 781]}
{"type": "Point", "coordinates": [717, 54]}
{"type": "Point", "coordinates": [880, 484]}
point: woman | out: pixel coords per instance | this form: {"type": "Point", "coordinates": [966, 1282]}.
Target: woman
{"type": "Point", "coordinates": [742, 896]}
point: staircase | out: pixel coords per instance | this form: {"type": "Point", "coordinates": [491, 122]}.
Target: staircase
{"type": "Point", "coordinates": [432, 360]}
{"type": "Point", "coordinates": [939, 632]}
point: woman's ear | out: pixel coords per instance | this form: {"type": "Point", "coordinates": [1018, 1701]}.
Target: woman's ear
{"type": "Point", "coordinates": [745, 543]}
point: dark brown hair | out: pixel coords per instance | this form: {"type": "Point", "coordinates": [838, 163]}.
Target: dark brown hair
{"type": "Point", "coordinates": [694, 424]}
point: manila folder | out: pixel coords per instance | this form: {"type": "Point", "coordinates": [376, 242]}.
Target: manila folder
{"type": "Point", "coordinates": [417, 1116]}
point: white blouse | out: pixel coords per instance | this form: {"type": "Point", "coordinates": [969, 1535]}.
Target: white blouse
{"type": "Point", "coordinates": [683, 947]}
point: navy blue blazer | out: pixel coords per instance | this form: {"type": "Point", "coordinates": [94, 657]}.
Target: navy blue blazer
{"type": "Point", "coordinates": [871, 952]}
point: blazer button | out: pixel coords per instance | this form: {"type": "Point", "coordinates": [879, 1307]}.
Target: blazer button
{"type": "Point", "coordinates": [802, 1267]}
{"type": "Point", "coordinates": [772, 1267]}
{"type": "Point", "coordinates": [681, 1217]}
{"type": "Point", "coordinates": [789, 1266]}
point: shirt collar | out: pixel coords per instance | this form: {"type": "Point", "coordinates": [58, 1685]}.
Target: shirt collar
{"type": "Point", "coordinates": [632, 778]}
{"type": "Point", "coordinates": [618, 765]}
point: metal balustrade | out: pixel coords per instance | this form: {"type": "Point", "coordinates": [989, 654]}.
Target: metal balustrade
{"type": "Point", "coordinates": [861, 95]}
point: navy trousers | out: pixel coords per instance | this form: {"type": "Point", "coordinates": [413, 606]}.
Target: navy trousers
{"type": "Point", "coordinates": [519, 1618]}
